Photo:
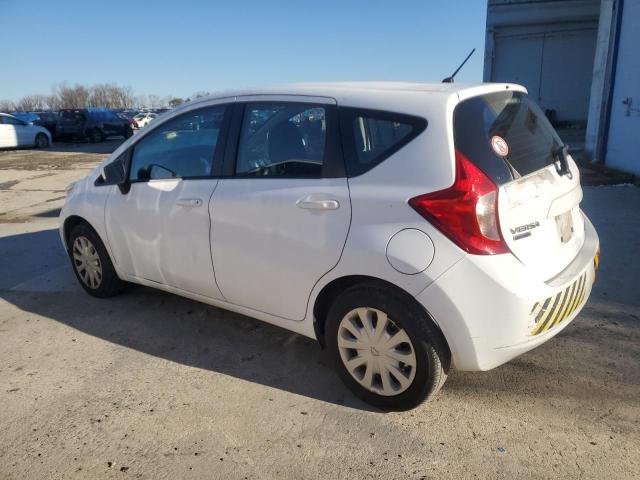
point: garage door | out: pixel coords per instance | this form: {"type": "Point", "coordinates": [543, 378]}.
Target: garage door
{"type": "Point", "coordinates": [554, 63]}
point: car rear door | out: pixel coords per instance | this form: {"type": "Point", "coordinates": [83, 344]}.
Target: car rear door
{"type": "Point", "coordinates": [281, 212]}
{"type": "Point", "coordinates": [507, 136]}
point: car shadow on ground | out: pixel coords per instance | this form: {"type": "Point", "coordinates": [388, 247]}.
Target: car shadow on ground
{"type": "Point", "coordinates": [170, 327]}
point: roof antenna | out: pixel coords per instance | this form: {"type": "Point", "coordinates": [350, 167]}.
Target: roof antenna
{"type": "Point", "coordinates": [450, 79]}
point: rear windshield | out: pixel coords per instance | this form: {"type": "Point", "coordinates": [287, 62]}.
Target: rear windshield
{"type": "Point", "coordinates": [505, 134]}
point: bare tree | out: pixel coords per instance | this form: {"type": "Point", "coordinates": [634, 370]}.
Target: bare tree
{"type": "Point", "coordinates": [141, 101]}
{"type": "Point", "coordinates": [32, 103]}
{"type": "Point", "coordinates": [107, 95]}
{"type": "Point", "coordinates": [71, 97]}
{"type": "Point", "coordinates": [155, 101]}
{"type": "Point", "coordinates": [122, 96]}
{"type": "Point", "coordinates": [7, 106]}
{"type": "Point", "coordinates": [200, 93]}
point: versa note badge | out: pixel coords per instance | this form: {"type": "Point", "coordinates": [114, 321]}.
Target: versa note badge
{"type": "Point", "coordinates": [523, 230]}
{"type": "Point", "coordinates": [500, 146]}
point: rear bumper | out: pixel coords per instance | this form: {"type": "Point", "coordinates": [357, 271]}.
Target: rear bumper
{"type": "Point", "coordinates": [491, 310]}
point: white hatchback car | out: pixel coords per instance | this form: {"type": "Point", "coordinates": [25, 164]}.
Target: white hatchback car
{"type": "Point", "coordinates": [16, 133]}
{"type": "Point", "coordinates": [407, 227]}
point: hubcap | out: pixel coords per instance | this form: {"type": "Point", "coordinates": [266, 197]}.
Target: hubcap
{"type": "Point", "coordinates": [376, 352]}
{"type": "Point", "coordinates": [87, 262]}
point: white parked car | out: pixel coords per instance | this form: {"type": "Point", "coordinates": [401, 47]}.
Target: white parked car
{"type": "Point", "coordinates": [143, 119]}
{"type": "Point", "coordinates": [16, 133]}
{"type": "Point", "coordinates": [408, 227]}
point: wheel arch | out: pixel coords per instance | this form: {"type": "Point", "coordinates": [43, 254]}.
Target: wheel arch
{"type": "Point", "coordinates": [73, 221]}
{"type": "Point", "coordinates": [332, 289]}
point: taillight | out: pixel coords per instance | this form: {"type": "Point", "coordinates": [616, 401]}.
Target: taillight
{"type": "Point", "coordinates": [467, 211]}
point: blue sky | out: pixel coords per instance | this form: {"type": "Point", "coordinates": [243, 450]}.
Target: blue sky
{"type": "Point", "coordinates": [180, 47]}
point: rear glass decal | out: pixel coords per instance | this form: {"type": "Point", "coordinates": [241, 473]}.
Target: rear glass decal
{"type": "Point", "coordinates": [499, 146]}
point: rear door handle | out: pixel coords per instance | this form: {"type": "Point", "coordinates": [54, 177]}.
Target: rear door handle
{"type": "Point", "coordinates": [189, 202]}
{"type": "Point", "coordinates": [309, 203]}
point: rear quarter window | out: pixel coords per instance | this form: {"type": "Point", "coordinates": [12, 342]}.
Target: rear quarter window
{"type": "Point", "coordinates": [371, 136]}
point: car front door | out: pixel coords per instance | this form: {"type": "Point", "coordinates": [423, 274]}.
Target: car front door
{"type": "Point", "coordinates": [158, 231]}
{"type": "Point", "coordinates": [281, 212]}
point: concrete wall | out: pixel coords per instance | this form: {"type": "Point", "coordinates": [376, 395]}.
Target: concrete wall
{"type": "Point", "coordinates": [623, 147]}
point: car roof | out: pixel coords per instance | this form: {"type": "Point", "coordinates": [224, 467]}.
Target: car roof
{"type": "Point", "coordinates": [362, 94]}
{"type": "Point", "coordinates": [344, 88]}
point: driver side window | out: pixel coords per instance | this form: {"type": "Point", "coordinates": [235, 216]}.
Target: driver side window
{"type": "Point", "coordinates": [282, 140]}
{"type": "Point", "coordinates": [183, 147]}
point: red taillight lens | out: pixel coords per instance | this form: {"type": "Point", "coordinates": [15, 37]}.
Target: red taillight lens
{"type": "Point", "coordinates": [467, 211]}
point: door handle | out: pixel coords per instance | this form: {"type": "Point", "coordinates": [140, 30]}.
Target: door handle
{"type": "Point", "coordinates": [189, 202]}
{"type": "Point", "coordinates": [310, 204]}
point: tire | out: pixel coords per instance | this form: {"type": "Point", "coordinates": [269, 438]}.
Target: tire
{"type": "Point", "coordinates": [95, 136]}
{"type": "Point", "coordinates": [41, 141]}
{"type": "Point", "coordinates": [85, 247]}
{"type": "Point", "coordinates": [128, 132]}
{"type": "Point", "coordinates": [425, 347]}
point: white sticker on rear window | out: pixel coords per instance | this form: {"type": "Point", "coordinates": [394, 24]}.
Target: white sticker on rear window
{"type": "Point", "coordinates": [499, 146]}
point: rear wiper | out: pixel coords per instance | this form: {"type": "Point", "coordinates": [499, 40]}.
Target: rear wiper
{"type": "Point", "coordinates": [560, 160]}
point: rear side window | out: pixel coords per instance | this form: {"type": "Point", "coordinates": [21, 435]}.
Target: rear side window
{"type": "Point", "coordinates": [282, 140]}
{"type": "Point", "coordinates": [505, 134]}
{"type": "Point", "coordinates": [371, 136]}
{"type": "Point", "coordinates": [183, 147]}
{"type": "Point", "coordinates": [72, 116]}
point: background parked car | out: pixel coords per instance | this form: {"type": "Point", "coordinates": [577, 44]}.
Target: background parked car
{"type": "Point", "coordinates": [128, 116]}
{"type": "Point", "coordinates": [18, 133]}
{"type": "Point", "coordinates": [26, 116]}
{"type": "Point", "coordinates": [48, 120]}
{"type": "Point", "coordinates": [143, 119]}
{"type": "Point", "coordinates": [94, 124]}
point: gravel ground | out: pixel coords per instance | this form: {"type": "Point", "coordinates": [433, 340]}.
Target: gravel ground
{"type": "Point", "coordinates": [151, 385]}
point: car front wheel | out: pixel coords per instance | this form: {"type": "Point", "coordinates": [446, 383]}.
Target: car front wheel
{"type": "Point", "coordinates": [41, 141]}
{"type": "Point", "coordinates": [91, 263]}
{"type": "Point", "coordinates": [386, 350]}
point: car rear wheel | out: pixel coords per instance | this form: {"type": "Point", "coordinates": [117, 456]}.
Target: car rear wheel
{"type": "Point", "coordinates": [41, 141]}
{"type": "Point", "coordinates": [128, 132]}
{"type": "Point", "coordinates": [95, 136]}
{"type": "Point", "coordinates": [91, 263]}
{"type": "Point", "coordinates": [387, 351]}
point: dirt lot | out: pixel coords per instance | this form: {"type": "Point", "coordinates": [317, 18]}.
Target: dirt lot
{"type": "Point", "coordinates": [150, 385]}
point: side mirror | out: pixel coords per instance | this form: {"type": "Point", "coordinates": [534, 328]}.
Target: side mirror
{"type": "Point", "coordinates": [115, 173]}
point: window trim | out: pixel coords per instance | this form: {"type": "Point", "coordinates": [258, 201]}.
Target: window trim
{"type": "Point", "coordinates": [349, 114]}
{"type": "Point", "coordinates": [332, 162]}
{"type": "Point", "coordinates": [218, 153]}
